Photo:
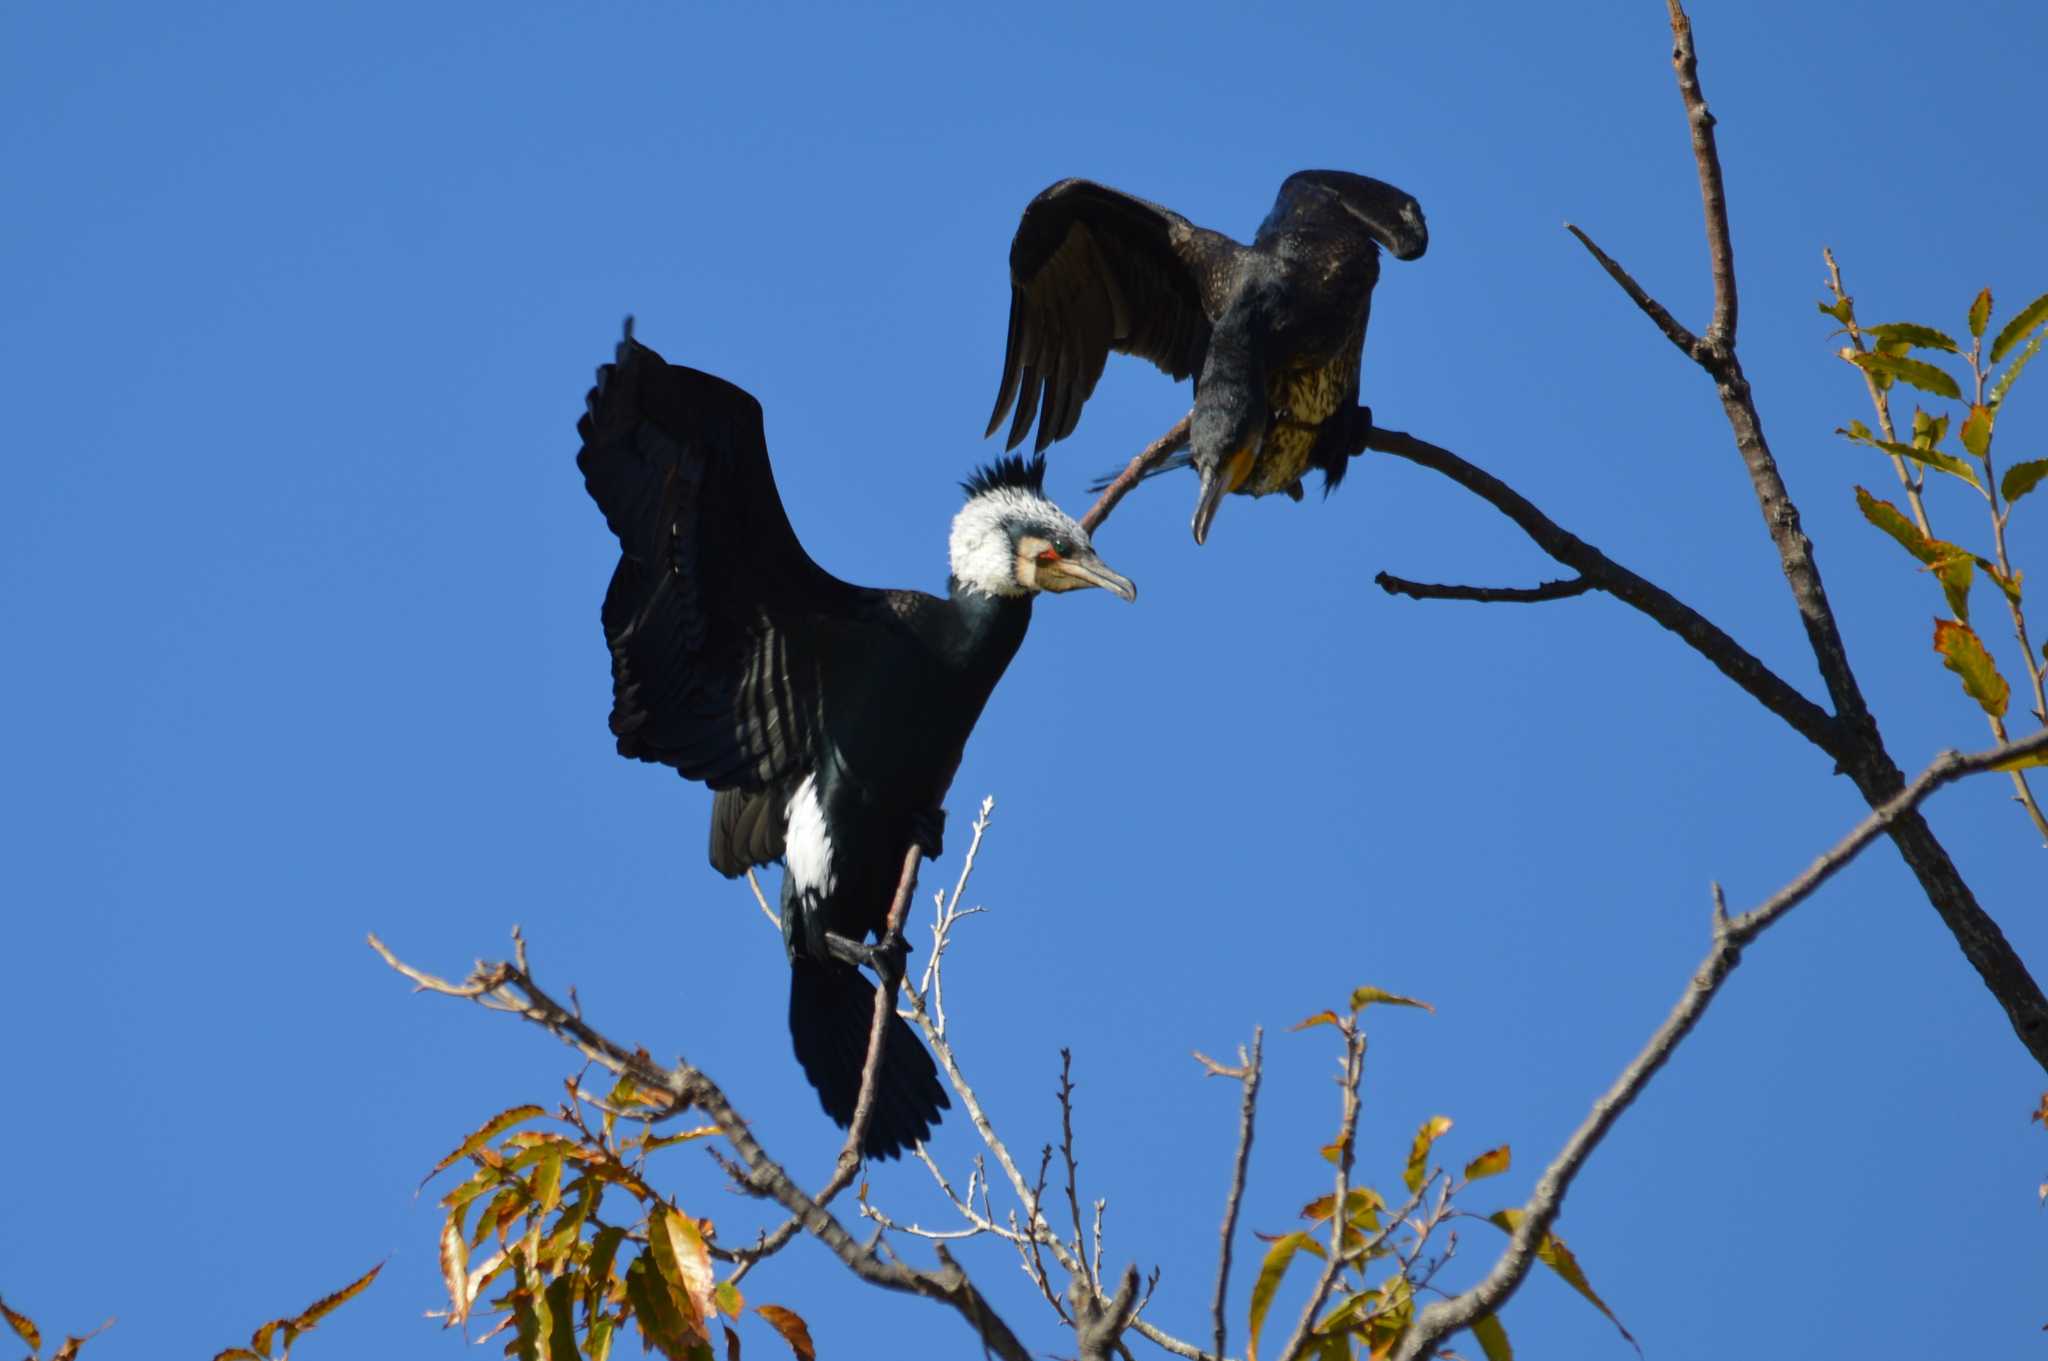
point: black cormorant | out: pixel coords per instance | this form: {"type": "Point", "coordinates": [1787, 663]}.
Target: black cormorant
{"type": "Point", "coordinates": [829, 717]}
{"type": "Point", "coordinates": [1273, 331]}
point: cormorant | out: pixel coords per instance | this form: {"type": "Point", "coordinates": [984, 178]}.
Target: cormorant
{"type": "Point", "coordinates": [1274, 331]}
{"type": "Point", "coordinates": [829, 717]}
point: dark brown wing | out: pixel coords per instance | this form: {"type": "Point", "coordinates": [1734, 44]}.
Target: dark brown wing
{"type": "Point", "coordinates": [717, 619]}
{"type": "Point", "coordinates": [1094, 270]}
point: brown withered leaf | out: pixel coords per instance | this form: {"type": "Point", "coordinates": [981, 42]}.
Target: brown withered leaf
{"type": "Point", "coordinates": [482, 1136]}
{"type": "Point", "coordinates": [793, 1329]}
{"type": "Point", "coordinates": [23, 1327]}
{"type": "Point", "coordinates": [1962, 652]}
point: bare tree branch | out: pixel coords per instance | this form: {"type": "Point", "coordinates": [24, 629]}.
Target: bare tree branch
{"type": "Point", "coordinates": [1705, 637]}
{"type": "Point", "coordinates": [1561, 589]}
{"type": "Point", "coordinates": [510, 987]}
{"type": "Point", "coordinates": [1730, 936]}
{"type": "Point", "coordinates": [1713, 201]}
{"type": "Point", "coordinates": [1150, 457]}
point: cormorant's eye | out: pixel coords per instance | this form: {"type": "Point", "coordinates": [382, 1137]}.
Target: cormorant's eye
{"type": "Point", "coordinates": [1063, 547]}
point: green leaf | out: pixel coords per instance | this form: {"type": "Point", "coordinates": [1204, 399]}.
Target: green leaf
{"type": "Point", "coordinates": [730, 1302]}
{"type": "Point", "coordinates": [1432, 1129]}
{"type": "Point", "coordinates": [1893, 521]}
{"type": "Point", "coordinates": [2014, 331]}
{"type": "Point", "coordinates": [561, 1319]}
{"type": "Point", "coordinates": [1841, 309]}
{"type": "Point", "coordinates": [597, 1338]}
{"type": "Point", "coordinates": [597, 1272]}
{"type": "Point", "coordinates": [1923, 454]}
{"type": "Point", "coordinates": [482, 1135]}
{"type": "Point", "coordinates": [1980, 314]}
{"type": "Point", "coordinates": [1365, 997]}
{"type": "Point", "coordinates": [23, 1328]}
{"type": "Point", "coordinates": [1977, 430]}
{"type": "Point", "coordinates": [1925, 337]}
{"type": "Point", "coordinates": [1940, 462]}
{"type": "Point", "coordinates": [2015, 369]}
{"type": "Point", "coordinates": [1278, 1258]}
{"type": "Point", "coordinates": [1962, 652]}
{"type": "Point", "coordinates": [2022, 478]}
{"type": "Point", "coordinates": [1928, 431]}
{"type": "Point", "coordinates": [1491, 1163]}
{"type": "Point", "coordinates": [791, 1327]}
{"type": "Point", "coordinates": [1493, 1339]}
{"type": "Point", "coordinates": [1551, 1251]}
{"type": "Point", "coordinates": [1915, 372]}
{"type": "Point", "coordinates": [655, 1306]}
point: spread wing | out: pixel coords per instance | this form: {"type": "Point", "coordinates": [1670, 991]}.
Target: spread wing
{"type": "Point", "coordinates": [1094, 270]}
{"type": "Point", "coordinates": [719, 623]}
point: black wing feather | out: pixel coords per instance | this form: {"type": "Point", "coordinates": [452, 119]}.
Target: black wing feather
{"type": "Point", "coordinates": [716, 615]}
{"type": "Point", "coordinates": [1094, 270]}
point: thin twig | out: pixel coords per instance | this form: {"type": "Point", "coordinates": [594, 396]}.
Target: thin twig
{"type": "Point", "coordinates": [1150, 457]}
{"type": "Point", "coordinates": [774, 917]}
{"type": "Point", "coordinates": [1654, 310]}
{"type": "Point", "coordinates": [510, 987]}
{"type": "Point", "coordinates": [878, 1029]}
{"type": "Point", "coordinates": [1705, 637]}
{"type": "Point", "coordinates": [1561, 589]}
{"type": "Point", "coordinates": [1730, 936]}
{"type": "Point", "coordinates": [1347, 1139]}
{"type": "Point", "coordinates": [1248, 1075]}
{"type": "Point", "coordinates": [1713, 199]}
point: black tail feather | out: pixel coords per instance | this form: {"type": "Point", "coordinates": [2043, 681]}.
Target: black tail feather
{"type": "Point", "coordinates": [831, 1008]}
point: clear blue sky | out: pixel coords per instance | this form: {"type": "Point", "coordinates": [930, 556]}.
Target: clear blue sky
{"type": "Point", "coordinates": [299, 589]}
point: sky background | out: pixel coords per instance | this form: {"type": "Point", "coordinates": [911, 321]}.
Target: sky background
{"type": "Point", "coordinates": [299, 591]}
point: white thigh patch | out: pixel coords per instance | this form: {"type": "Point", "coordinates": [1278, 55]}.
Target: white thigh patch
{"type": "Point", "coordinates": [806, 844]}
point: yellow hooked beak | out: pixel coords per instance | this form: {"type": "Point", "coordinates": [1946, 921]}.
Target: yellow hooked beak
{"type": "Point", "coordinates": [1217, 483]}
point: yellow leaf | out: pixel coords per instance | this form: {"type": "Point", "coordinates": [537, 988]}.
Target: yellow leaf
{"type": "Point", "coordinates": [1278, 1258]}
{"type": "Point", "coordinates": [1432, 1130]}
{"type": "Point", "coordinates": [685, 1263]}
{"type": "Point", "coordinates": [455, 1270]}
{"type": "Point", "coordinates": [1365, 997]}
{"type": "Point", "coordinates": [1551, 1251]}
{"type": "Point", "coordinates": [1491, 1163]}
{"type": "Point", "coordinates": [1493, 1339]}
{"type": "Point", "coordinates": [1320, 1018]}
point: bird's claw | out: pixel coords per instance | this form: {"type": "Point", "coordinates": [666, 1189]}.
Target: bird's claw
{"type": "Point", "coordinates": [886, 956]}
